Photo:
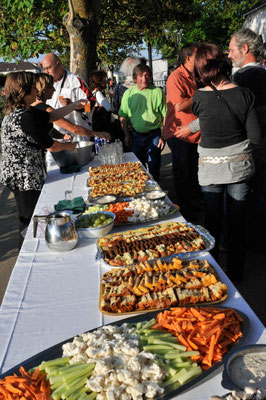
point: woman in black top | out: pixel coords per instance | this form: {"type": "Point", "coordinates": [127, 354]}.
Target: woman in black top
{"type": "Point", "coordinates": [228, 125]}
{"type": "Point", "coordinates": [46, 89]}
{"type": "Point", "coordinates": [24, 135]}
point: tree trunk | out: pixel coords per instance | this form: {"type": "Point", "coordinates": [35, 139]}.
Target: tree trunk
{"type": "Point", "coordinates": [150, 58]}
{"type": "Point", "coordinates": [82, 26]}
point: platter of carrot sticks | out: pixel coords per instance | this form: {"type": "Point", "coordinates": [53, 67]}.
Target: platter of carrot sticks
{"type": "Point", "coordinates": [207, 335]}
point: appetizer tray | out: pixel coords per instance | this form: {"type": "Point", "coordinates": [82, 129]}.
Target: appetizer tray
{"type": "Point", "coordinates": [123, 191]}
{"type": "Point", "coordinates": [153, 242]}
{"type": "Point", "coordinates": [120, 180]}
{"type": "Point", "coordinates": [173, 208]}
{"type": "Point", "coordinates": [162, 283]}
{"type": "Point", "coordinates": [56, 351]}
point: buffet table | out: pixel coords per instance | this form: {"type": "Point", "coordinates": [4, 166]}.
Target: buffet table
{"type": "Point", "coordinates": [54, 296]}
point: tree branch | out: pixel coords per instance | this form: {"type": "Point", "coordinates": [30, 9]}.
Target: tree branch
{"type": "Point", "coordinates": [71, 10]}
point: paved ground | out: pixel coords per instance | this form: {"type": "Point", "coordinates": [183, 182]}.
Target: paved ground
{"type": "Point", "coordinates": [252, 288]}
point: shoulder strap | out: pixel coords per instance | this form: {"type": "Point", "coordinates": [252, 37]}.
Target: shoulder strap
{"type": "Point", "coordinates": [221, 96]}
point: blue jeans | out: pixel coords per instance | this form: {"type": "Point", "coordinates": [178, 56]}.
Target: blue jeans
{"type": "Point", "coordinates": [145, 147]}
{"type": "Point", "coordinates": [185, 173]}
{"type": "Point", "coordinates": [235, 195]}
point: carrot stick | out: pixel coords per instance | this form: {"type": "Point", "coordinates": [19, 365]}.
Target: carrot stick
{"type": "Point", "coordinates": [209, 330]}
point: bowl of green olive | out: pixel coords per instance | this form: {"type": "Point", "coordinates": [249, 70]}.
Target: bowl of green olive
{"type": "Point", "coordinates": [96, 224]}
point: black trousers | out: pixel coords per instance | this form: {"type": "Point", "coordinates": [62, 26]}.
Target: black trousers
{"type": "Point", "coordinates": [26, 202]}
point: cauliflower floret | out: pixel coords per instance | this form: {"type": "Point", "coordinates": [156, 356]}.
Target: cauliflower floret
{"type": "Point", "coordinates": [136, 391]}
{"type": "Point", "coordinates": [152, 389]}
{"type": "Point", "coordinates": [81, 357]}
{"type": "Point", "coordinates": [95, 384]}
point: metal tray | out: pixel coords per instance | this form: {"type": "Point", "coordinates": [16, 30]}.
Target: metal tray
{"type": "Point", "coordinates": [166, 259]}
{"type": "Point", "coordinates": [206, 236]}
{"type": "Point", "coordinates": [56, 351]}
{"type": "Point", "coordinates": [173, 210]}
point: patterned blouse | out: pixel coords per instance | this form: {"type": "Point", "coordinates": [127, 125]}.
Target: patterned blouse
{"type": "Point", "coordinates": [24, 136]}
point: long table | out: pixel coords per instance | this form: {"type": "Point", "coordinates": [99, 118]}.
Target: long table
{"type": "Point", "coordinates": [53, 296]}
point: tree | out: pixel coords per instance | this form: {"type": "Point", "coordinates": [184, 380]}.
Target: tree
{"type": "Point", "coordinates": [92, 31]}
{"type": "Point", "coordinates": [217, 21]}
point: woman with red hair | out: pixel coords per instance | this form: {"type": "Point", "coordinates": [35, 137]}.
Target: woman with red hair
{"type": "Point", "coordinates": [229, 126]}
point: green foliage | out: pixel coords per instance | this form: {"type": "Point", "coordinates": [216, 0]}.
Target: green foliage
{"type": "Point", "coordinates": [33, 27]}
{"type": "Point", "coordinates": [216, 21]}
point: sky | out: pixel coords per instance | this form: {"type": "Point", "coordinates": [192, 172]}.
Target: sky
{"type": "Point", "coordinates": [143, 53]}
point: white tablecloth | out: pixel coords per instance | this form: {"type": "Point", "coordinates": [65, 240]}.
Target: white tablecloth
{"type": "Point", "coordinates": [54, 296]}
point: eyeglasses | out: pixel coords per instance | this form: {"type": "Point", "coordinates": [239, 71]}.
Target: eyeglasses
{"type": "Point", "coordinates": [48, 68]}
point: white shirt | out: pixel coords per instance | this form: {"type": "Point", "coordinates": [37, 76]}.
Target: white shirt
{"type": "Point", "coordinates": [70, 88]}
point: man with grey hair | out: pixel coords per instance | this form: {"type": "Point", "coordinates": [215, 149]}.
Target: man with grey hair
{"type": "Point", "coordinates": [126, 70]}
{"type": "Point", "coordinates": [245, 49]}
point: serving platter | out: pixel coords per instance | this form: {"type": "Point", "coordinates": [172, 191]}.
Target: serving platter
{"type": "Point", "coordinates": [56, 351]}
{"type": "Point", "coordinates": [173, 208]}
{"type": "Point", "coordinates": [203, 263]}
{"type": "Point", "coordinates": [208, 240]}
{"type": "Point", "coordinates": [146, 191]}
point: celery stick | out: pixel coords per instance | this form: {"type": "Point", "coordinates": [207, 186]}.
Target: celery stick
{"type": "Point", "coordinates": [168, 343]}
{"type": "Point", "coordinates": [143, 340]}
{"type": "Point", "coordinates": [175, 378]}
{"type": "Point", "coordinates": [189, 374]}
{"type": "Point", "coordinates": [168, 339]}
{"type": "Point", "coordinates": [56, 380]}
{"type": "Point", "coordinates": [71, 387]}
{"type": "Point", "coordinates": [68, 378]}
{"type": "Point", "coordinates": [83, 396]}
{"type": "Point", "coordinates": [147, 325]}
{"type": "Point", "coordinates": [91, 396]}
{"type": "Point", "coordinates": [57, 394]}
{"type": "Point", "coordinates": [152, 347]}
{"type": "Point", "coordinates": [172, 371]}
{"type": "Point", "coordinates": [70, 367]}
{"type": "Point", "coordinates": [155, 332]}
{"type": "Point", "coordinates": [189, 353]}
{"type": "Point", "coordinates": [52, 371]}
{"type": "Point", "coordinates": [139, 325]}
{"type": "Point", "coordinates": [56, 361]}
{"type": "Point", "coordinates": [77, 394]}
{"type": "Point", "coordinates": [160, 352]}
{"type": "Point", "coordinates": [175, 353]}
{"type": "Point", "coordinates": [183, 364]}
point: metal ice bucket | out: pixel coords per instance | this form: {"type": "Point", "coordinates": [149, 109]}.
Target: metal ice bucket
{"type": "Point", "coordinates": [81, 155]}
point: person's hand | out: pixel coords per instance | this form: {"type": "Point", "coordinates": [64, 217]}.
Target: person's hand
{"type": "Point", "coordinates": [182, 132]}
{"type": "Point", "coordinates": [67, 137]}
{"type": "Point", "coordinates": [103, 135]}
{"type": "Point", "coordinates": [79, 104]}
{"type": "Point", "coordinates": [161, 144]}
{"type": "Point", "coordinates": [64, 101]}
{"type": "Point", "coordinates": [128, 140]}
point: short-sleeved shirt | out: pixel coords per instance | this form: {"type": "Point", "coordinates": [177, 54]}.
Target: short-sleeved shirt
{"type": "Point", "coordinates": [24, 135]}
{"type": "Point", "coordinates": [146, 108]}
{"type": "Point", "coordinates": [180, 86]}
{"type": "Point", "coordinates": [71, 86]}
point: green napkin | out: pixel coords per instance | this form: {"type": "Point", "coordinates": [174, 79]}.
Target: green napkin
{"type": "Point", "coordinates": [77, 205]}
{"type": "Point", "coordinates": [70, 170]}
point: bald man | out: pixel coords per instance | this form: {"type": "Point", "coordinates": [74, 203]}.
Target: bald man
{"type": "Point", "coordinates": [68, 87]}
